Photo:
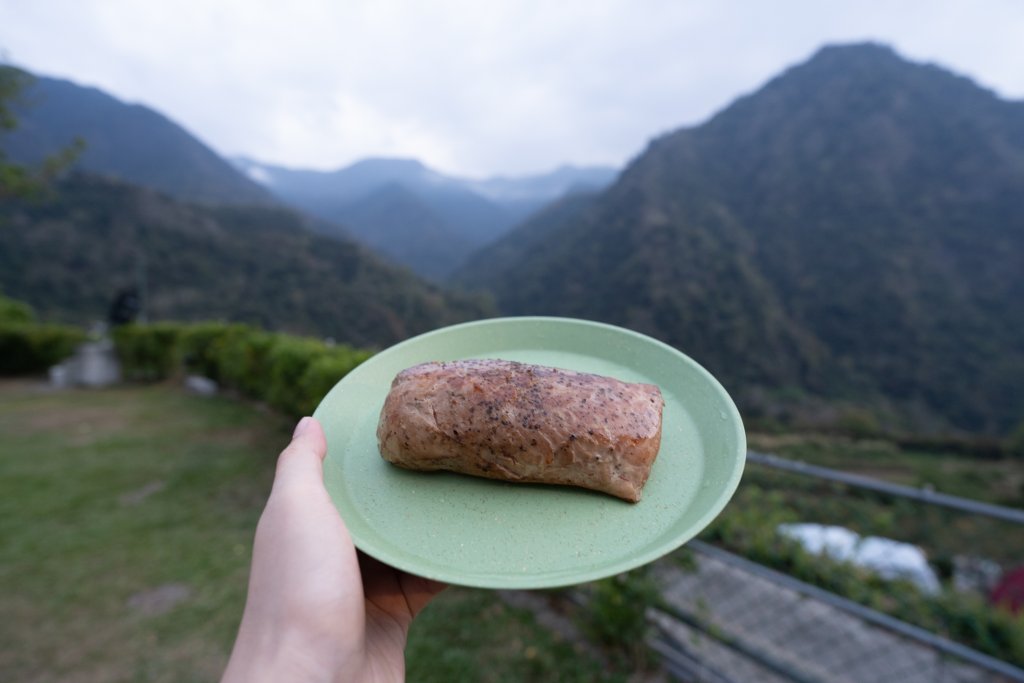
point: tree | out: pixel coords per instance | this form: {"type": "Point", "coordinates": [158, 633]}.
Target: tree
{"type": "Point", "coordinates": [17, 180]}
{"type": "Point", "coordinates": [14, 311]}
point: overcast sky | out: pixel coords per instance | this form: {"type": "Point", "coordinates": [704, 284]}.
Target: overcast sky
{"type": "Point", "coordinates": [478, 87]}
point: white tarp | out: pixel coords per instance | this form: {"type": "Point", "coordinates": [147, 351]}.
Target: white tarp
{"type": "Point", "coordinates": [888, 558]}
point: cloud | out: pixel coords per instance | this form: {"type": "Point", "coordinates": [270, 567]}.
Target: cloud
{"type": "Point", "coordinates": [470, 87]}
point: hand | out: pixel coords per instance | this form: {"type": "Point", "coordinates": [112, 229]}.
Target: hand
{"type": "Point", "coordinates": [317, 610]}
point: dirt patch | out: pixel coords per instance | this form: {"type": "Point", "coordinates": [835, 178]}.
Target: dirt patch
{"type": "Point", "coordinates": [135, 497]}
{"type": "Point", "coordinates": [240, 436]}
{"type": "Point", "coordinates": [79, 419]}
{"type": "Point", "coordinates": [160, 600]}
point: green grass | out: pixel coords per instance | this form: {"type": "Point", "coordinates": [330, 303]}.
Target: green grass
{"type": "Point", "coordinates": [107, 495]}
{"type": "Point", "coordinates": [81, 538]}
{"type": "Point", "coordinates": [995, 481]}
{"type": "Point", "coordinates": [496, 644]}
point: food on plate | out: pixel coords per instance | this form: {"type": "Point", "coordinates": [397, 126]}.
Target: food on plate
{"type": "Point", "coordinates": [523, 423]}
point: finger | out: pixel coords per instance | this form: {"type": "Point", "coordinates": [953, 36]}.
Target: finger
{"type": "Point", "coordinates": [302, 460]}
{"type": "Point", "coordinates": [419, 591]}
{"type": "Point", "coordinates": [394, 590]}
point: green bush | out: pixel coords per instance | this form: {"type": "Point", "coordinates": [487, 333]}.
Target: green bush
{"type": "Point", "coordinates": [290, 373]}
{"type": "Point", "coordinates": [241, 361]}
{"type": "Point", "coordinates": [324, 372]}
{"type": "Point", "coordinates": [202, 345]}
{"type": "Point", "coordinates": [616, 616]}
{"type": "Point", "coordinates": [28, 348]}
{"type": "Point", "coordinates": [148, 352]}
{"type": "Point", "coordinates": [13, 311]}
{"type": "Point", "coordinates": [286, 363]}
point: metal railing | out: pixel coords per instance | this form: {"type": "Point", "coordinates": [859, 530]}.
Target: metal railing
{"type": "Point", "coordinates": [731, 620]}
{"type": "Point", "coordinates": [922, 495]}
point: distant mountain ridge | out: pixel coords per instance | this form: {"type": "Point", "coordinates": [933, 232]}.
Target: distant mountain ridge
{"type": "Point", "coordinates": [138, 145]}
{"type": "Point", "coordinates": [68, 256]}
{"type": "Point", "coordinates": [854, 230]}
{"type": "Point", "coordinates": [394, 221]}
{"type": "Point", "coordinates": [471, 213]}
{"type": "Point", "coordinates": [365, 176]}
{"type": "Point", "coordinates": [129, 142]}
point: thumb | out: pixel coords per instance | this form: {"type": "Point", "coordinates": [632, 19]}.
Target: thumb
{"type": "Point", "coordinates": [301, 462]}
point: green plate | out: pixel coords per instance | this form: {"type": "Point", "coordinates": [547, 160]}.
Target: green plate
{"type": "Point", "coordinates": [490, 534]}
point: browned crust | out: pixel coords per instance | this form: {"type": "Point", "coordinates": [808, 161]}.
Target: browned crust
{"type": "Point", "coordinates": [523, 423]}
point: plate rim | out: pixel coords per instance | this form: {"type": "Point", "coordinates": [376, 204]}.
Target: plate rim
{"type": "Point", "coordinates": [519, 581]}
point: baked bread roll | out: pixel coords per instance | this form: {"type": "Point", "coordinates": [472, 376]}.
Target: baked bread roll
{"type": "Point", "coordinates": [523, 423]}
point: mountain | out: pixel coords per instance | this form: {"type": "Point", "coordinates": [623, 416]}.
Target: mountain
{"type": "Point", "coordinates": [126, 141]}
{"type": "Point", "coordinates": [472, 212]}
{"type": "Point", "coordinates": [854, 230]}
{"type": "Point", "coordinates": [499, 259]}
{"type": "Point", "coordinates": [69, 255]}
{"type": "Point", "coordinates": [397, 224]}
{"type": "Point", "coordinates": [343, 185]}
{"type": "Point", "coordinates": [545, 187]}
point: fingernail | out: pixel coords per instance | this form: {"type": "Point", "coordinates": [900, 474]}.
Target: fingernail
{"type": "Point", "coordinates": [301, 427]}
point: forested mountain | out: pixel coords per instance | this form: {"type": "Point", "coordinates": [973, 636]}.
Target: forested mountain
{"type": "Point", "coordinates": [126, 141]}
{"type": "Point", "coordinates": [393, 221]}
{"type": "Point", "coordinates": [468, 213]}
{"type": "Point", "coordinates": [508, 252]}
{"type": "Point", "coordinates": [68, 255]}
{"type": "Point", "coordinates": [854, 229]}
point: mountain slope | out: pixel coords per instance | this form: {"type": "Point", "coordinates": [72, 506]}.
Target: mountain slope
{"type": "Point", "coordinates": [522, 244]}
{"type": "Point", "coordinates": [69, 256]}
{"type": "Point", "coordinates": [126, 141]}
{"type": "Point", "coordinates": [394, 222]}
{"type": "Point", "coordinates": [853, 229]}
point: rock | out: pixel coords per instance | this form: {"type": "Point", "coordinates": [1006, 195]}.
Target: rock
{"type": "Point", "coordinates": [204, 386]}
{"type": "Point", "coordinates": [60, 376]}
{"type": "Point", "coordinates": [975, 574]}
{"type": "Point", "coordinates": [97, 364]}
{"type": "Point", "coordinates": [94, 364]}
{"type": "Point", "coordinates": [160, 600]}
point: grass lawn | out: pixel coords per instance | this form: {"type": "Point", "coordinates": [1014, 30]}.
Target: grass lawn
{"type": "Point", "coordinates": [126, 518]}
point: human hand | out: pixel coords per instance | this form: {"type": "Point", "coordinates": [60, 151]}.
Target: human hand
{"type": "Point", "coordinates": [317, 610]}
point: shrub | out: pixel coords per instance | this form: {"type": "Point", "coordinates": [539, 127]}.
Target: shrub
{"type": "Point", "coordinates": [290, 373]}
{"type": "Point", "coordinates": [14, 311]}
{"type": "Point", "coordinates": [202, 345]}
{"type": "Point", "coordinates": [148, 352]}
{"type": "Point", "coordinates": [241, 361]}
{"type": "Point", "coordinates": [324, 372]}
{"type": "Point", "coordinates": [28, 348]}
{"type": "Point", "coordinates": [616, 616]}
{"type": "Point", "coordinates": [287, 361]}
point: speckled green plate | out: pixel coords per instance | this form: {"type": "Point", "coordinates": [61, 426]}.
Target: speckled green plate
{"type": "Point", "coordinates": [490, 534]}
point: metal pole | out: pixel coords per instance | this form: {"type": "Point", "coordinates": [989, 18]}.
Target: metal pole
{"type": "Point", "coordinates": [922, 495]}
{"type": "Point", "coordinates": [140, 279]}
{"type": "Point", "coordinates": [681, 664]}
{"type": "Point", "coordinates": [754, 654]}
{"type": "Point", "coordinates": [875, 617]}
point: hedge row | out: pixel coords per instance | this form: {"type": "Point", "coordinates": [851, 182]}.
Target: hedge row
{"type": "Point", "coordinates": [28, 348]}
{"type": "Point", "coordinates": [290, 373]}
